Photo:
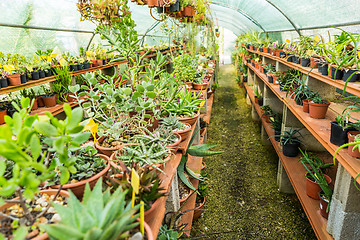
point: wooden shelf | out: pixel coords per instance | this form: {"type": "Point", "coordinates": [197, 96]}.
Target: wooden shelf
{"type": "Point", "coordinates": [319, 128]}
{"type": "Point", "coordinates": [352, 87]}
{"type": "Point", "coordinates": [296, 172]}
{"type": "Point", "coordinates": [33, 83]}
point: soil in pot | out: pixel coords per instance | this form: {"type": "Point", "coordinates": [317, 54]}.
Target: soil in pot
{"type": "Point", "coordinates": [318, 111]}
{"type": "Point", "coordinates": [313, 188]}
{"type": "Point", "coordinates": [291, 150]}
{"type": "Point", "coordinates": [324, 202]}
{"type": "Point", "coordinates": [40, 201]}
{"type": "Point", "coordinates": [338, 135]}
{"type": "Point", "coordinates": [351, 137]}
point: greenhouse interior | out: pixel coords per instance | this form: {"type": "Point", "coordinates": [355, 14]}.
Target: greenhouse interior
{"type": "Point", "coordinates": [179, 119]}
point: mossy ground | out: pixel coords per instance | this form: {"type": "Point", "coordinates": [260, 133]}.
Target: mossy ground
{"type": "Point", "coordinates": [244, 201]}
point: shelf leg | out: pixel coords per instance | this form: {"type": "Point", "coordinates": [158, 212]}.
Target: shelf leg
{"type": "Point", "coordinates": [344, 216]}
{"type": "Point", "coordinates": [173, 200]}
{"type": "Point", "coordinates": [197, 137]}
{"type": "Point", "coordinates": [254, 114]}
{"type": "Point", "coordinates": [265, 138]}
{"type": "Point", "coordinates": [283, 180]}
{"type": "Point", "coordinates": [204, 108]}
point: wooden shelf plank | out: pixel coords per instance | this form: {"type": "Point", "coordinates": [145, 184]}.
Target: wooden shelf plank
{"type": "Point", "coordinates": [296, 172]}
{"type": "Point", "coordinates": [319, 128]}
{"type": "Point", "coordinates": [352, 87]}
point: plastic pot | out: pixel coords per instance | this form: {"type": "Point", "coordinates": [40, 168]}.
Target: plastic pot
{"type": "Point", "coordinates": [4, 82]}
{"type": "Point", "coordinates": [305, 62]}
{"type": "Point", "coordinates": [270, 79]}
{"type": "Point", "coordinates": [339, 73]}
{"type": "Point", "coordinates": [318, 111]}
{"type": "Point", "coordinates": [323, 205]}
{"type": "Point", "coordinates": [306, 105]}
{"type": "Point", "coordinates": [291, 150]}
{"type": "Point", "coordinates": [351, 138]}
{"type": "Point", "coordinates": [2, 116]}
{"type": "Point", "coordinates": [190, 120]}
{"type": "Point", "coordinates": [277, 135]}
{"type": "Point", "coordinates": [314, 63]}
{"type": "Point", "coordinates": [23, 78]}
{"type": "Point", "coordinates": [35, 75]}
{"type": "Point", "coordinates": [348, 73]}
{"type": "Point", "coordinates": [42, 74]}
{"type": "Point", "coordinates": [338, 135]}
{"type": "Point", "coordinates": [323, 68]}
{"type": "Point", "coordinates": [49, 101]}
{"type": "Point", "coordinates": [291, 58]}
{"type": "Point", "coordinates": [313, 188]}
{"type": "Point", "coordinates": [14, 79]}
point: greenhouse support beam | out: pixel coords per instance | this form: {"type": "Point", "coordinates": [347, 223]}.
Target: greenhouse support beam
{"type": "Point", "coordinates": [43, 28]}
{"type": "Point", "coordinates": [242, 12]}
{"type": "Point", "coordinates": [291, 22]}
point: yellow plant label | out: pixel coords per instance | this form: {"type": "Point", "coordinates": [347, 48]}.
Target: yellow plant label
{"type": "Point", "coordinates": [63, 62]}
{"type": "Point", "coordinates": [9, 68]}
{"type": "Point", "coordinates": [358, 54]}
{"type": "Point", "coordinates": [142, 217]}
{"type": "Point", "coordinates": [89, 53]}
{"type": "Point", "coordinates": [317, 39]}
{"type": "Point", "coordinates": [49, 58]}
{"type": "Point", "coordinates": [54, 55]}
{"type": "Point", "coordinates": [135, 181]}
{"type": "Point", "coordinates": [43, 57]}
{"type": "Point", "coordinates": [288, 41]}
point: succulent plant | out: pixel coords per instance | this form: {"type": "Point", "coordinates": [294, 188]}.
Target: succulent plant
{"type": "Point", "coordinates": [173, 123]}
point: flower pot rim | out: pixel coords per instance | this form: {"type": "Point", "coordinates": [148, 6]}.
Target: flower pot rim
{"type": "Point", "coordinates": [184, 130]}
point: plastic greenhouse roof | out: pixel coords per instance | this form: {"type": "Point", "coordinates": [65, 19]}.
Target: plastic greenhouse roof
{"type": "Point", "coordinates": [285, 15]}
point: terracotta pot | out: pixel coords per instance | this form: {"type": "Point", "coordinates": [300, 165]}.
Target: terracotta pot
{"type": "Point", "coordinates": [50, 192]}
{"type": "Point", "coordinates": [40, 101]}
{"type": "Point", "coordinates": [187, 11]}
{"type": "Point", "coordinates": [314, 63]}
{"type": "Point", "coordinates": [153, 3]}
{"type": "Point", "coordinates": [318, 111]}
{"type": "Point", "coordinates": [323, 205]}
{"type": "Point", "coordinates": [14, 79]}
{"type": "Point", "coordinates": [94, 63]}
{"type": "Point", "coordinates": [351, 137]}
{"type": "Point", "coordinates": [256, 65]}
{"type": "Point", "coordinates": [190, 120]}
{"type": "Point", "coordinates": [306, 105]}
{"type": "Point", "coordinates": [150, 213]}
{"type": "Point", "coordinates": [78, 188]}
{"type": "Point", "coordinates": [265, 49]}
{"type": "Point", "coordinates": [275, 78]}
{"type": "Point", "coordinates": [313, 188]}
{"type": "Point", "coordinates": [2, 116]}
{"type": "Point", "coordinates": [69, 97]}
{"type": "Point", "coordinates": [278, 51]}
{"type": "Point", "coordinates": [197, 212]}
{"type": "Point", "coordinates": [189, 84]}
{"type": "Point", "coordinates": [108, 151]}
{"type": "Point", "coordinates": [175, 146]}
{"type": "Point", "coordinates": [49, 101]}
{"type": "Point", "coordinates": [35, 105]}
{"type": "Point", "coordinates": [100, 62]}
{"type": "Point", "coordinates": [200, 86]}
{"type": "Point", "coordinates": [185, 133]}
{"type": "Point", "coordinates": [149, 233]}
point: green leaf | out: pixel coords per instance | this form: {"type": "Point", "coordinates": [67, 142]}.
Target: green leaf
{"type": "Point", "coordinates": [46, 129]}
{"type": "Point", "coordinates": [140, 88]}
{"type": "Point", "coordinates": [65, 175]}
{"type": "Point", "coordinates": [35, 146]}
{"type": "Point", "coordinates": [76, 117]}
{"type": "Point", "coordinates": [20, 233]}
{"type": "Point", "coordinates": [2, 167]}
{"type": "Point", "coordinates": [25, 102]}
{"type": "Point", "coordinates": [82, 137]}
{"type": "Point", "coordinates": [127, 91]}
{"type": "Point", "coordinates": [67, 110]}
{"type": "Point", "coordinates": [135, 96]}
{"type": "Point", "coordinates": [151, 95]}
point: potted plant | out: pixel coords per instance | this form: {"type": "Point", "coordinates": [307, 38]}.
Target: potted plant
{"type": "Point", "coordinates": [61, 85]}
{"type": "Point", "coordinates": [258, 96]}
{"type": "Point", "coordinates": [267, 112]}
{"type": "Point", "coordinates": [200, 84]}
{"type": "Point", "coordinates": [339, 130]}
{"type": "Point", "coordinates": [311, 162]}
{"type": "Point", "coordinates": [172, 122]}
{"type": "Point", "coordinates": [290, 142]}
{"type": "Point", "coordinates": [115, 217]}
{"type": "Point", "coordinates": [48, 97]}
{"type": "Point", "coordinates": [276, 122]}
{"type": "Point", "coordinates": [269, 70]}
{"type": "Point", "coordinates": [318, 107]}
{"type": "Point", "coordinates": [185, 69]}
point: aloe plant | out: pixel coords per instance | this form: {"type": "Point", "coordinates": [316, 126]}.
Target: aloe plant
{"type": "Point", "coordinates": [100, 215]}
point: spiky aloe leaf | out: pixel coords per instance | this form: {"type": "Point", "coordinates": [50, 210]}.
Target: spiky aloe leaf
{"type": "Point", "coordinates": [181, 172]}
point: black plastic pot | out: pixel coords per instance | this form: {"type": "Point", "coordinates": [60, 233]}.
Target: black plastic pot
{"type": "Point", "coordinates": [291, 58]}
{"type": "Point", "coordinates": [282, 54]}
{"type": "Point", "coordinates": [339, 73]}
{"type": "Point", "coordinates": [323, 68]}
{"type": "Point", "coordinates": [261, 102]}
{"type": "Point", "coordinates": [296, 59]}
{"type": "Point", "coordinates": [4, 82]}
{"type": "Point", "coordinates": [253, 64]}
{"type": "Point", "coordinates": [245, 78]}
{"type": "Point", "coordinates": [291, 150]}
{"type": "Point", "coordinates": [73, 67]}
{"type": "Point", "coordinates": [23, 78]}
{"type": "Point", "coordinates": [265, 71]}
{"type": "Point", "coordinates": [348, 73]}
{"type": "Point", "coordinates": [338, 135]}
{"type": "Point", "coordinates": [270, 79]}
{"type": "Point", "coordinates": [261, 50]}
{"type": "Point", "coordinates": [48, 73]}
{"type": "Point", "coordinates": [277, 135]}
{"type": "Point", "coordinates": [299, 99]}
{"type": "Point", "coordinates": [175, 7]}
{"type": "Point", "coordinates": [41, 74]}
{"type": "Point", "coordinates": [86, 65]}
{"type": "Point", "coordinates": [35, 75]}
{"type": "Point", "coordinates": [305, 62]}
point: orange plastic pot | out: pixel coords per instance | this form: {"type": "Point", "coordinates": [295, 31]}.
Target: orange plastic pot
{"type": "Point", "coordinates": [318, 111]}
{"type": "Point", "coordinates": [306, 105]}
{"type": "Point", "coordinates": [14, 79]}
{"type": "Point", "coordinates": [351, 136]}
{"type": "Point", "coordinates": [2, 116]}
{"type": "Point", "coordinates": [313, 188]}
{"type": "Point", "coordinates": [314, 63]}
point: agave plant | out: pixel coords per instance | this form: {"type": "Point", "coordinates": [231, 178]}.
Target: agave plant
{"type": "Point", "coordinates": [101, 215]}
